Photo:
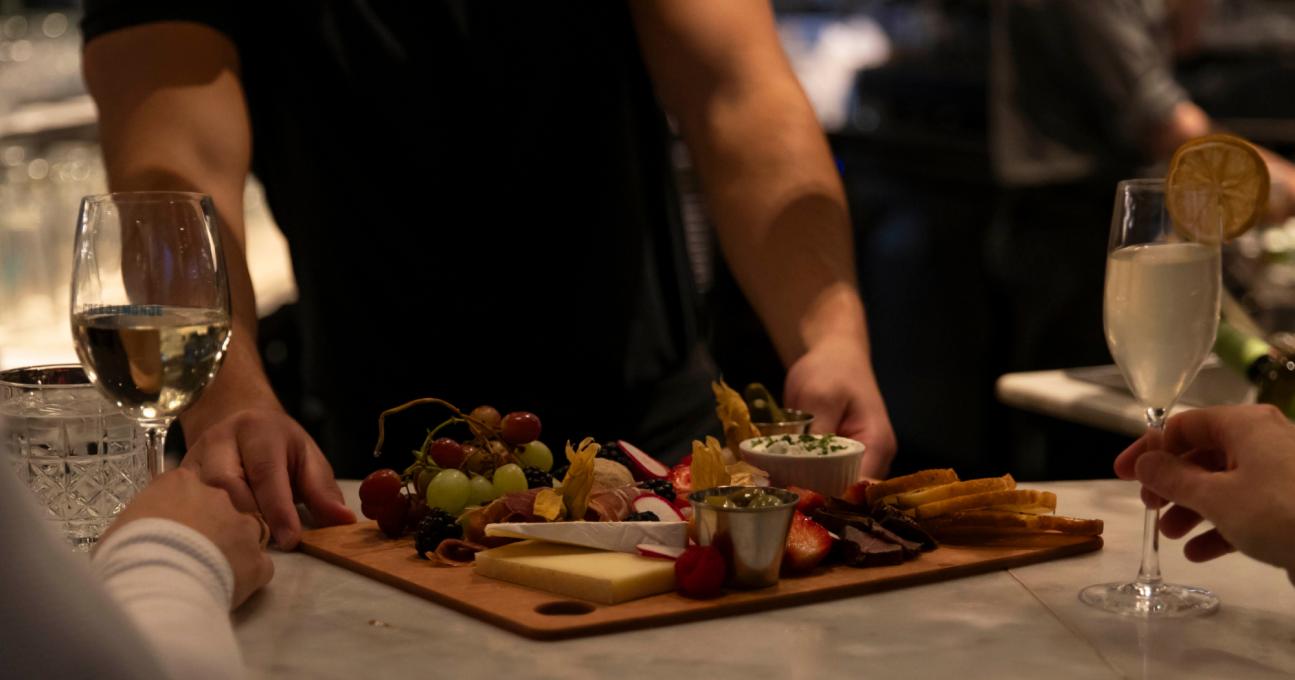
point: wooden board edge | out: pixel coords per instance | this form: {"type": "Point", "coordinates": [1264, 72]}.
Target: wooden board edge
{"type": "Point", "coordinates": [564, 631]}
{"type": "Point", "coordinates": [1093, 543]}
{"type": "Point", "coordinates": [426, 593]}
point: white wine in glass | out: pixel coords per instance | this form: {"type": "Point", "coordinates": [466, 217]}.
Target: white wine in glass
{"type": "Point", "coordinates": [153, 364]}
{"type": "Point", "coordinates": [1161, 313]}
{"type": "Point", "coordinates": [150, 304]}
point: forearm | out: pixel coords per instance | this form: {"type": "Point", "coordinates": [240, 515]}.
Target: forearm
{"type": "Point", "coordinates": [780, 212]}
{"type": "Point", "coordinates": [241, 381]}
{"type": "Point", "coordinates": [176, 587]}
{"type": "Point", "coordinates": [1188, 121]}
{"type": "Point", "coordinates": [183, 125]}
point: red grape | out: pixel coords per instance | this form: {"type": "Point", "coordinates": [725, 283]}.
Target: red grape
{"type": "Point", "coordinates": [489, 418]}
{"type": "Point", "coordinates": [417, 511]}
{"type": "Point", "coordinates": [381, 487]}
{"type": "Point", "coordinates": [520, 427]}
{"type": "Point", "coordinates": [446, 452]}
{"type": "Point", "coordinates": [391, 517]}
{"type": "Point", "coordinates": [476, 459]}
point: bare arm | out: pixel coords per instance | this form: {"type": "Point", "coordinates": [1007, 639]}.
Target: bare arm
{"type": "Point", "coordinates": [172, 116]}
{"type": "Point", "coordinates": [777, 201]}
{"type": "Point", "coordinates": [181, 123]}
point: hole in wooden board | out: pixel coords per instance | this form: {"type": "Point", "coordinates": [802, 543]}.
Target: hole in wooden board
{"type": "Point", "coordinates": [565, 608]}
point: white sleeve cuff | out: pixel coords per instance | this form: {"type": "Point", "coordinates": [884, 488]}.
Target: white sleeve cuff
{"type": "Point", "coordinates": [169, 545]}
{"type": "Point", "coordinates": [177, 588]}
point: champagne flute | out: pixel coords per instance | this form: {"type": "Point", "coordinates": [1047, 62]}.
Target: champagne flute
{"type": "Point", "coordinates": [150, 304]}
{"type": "Point", "coordinates": [1161, 313]}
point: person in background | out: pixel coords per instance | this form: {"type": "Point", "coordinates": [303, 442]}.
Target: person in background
{"type": "Point", "coordinates": [153, 603]}
{"type": "Point", "coordinates": [1082, 95]}
{"type": "Point", "coordinates": [1233, 466]}
{"type": "Point", "coordinates": [479, 205]}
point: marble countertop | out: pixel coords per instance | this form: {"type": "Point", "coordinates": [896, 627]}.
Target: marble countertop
{"type": "Point", "coordinates": [1110, 406]}
{"type": "Point", "coordinates": [316, 620]}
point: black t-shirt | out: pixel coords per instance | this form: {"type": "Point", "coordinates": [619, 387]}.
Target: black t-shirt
{"type": "Point", "coordinates": [479, 206]}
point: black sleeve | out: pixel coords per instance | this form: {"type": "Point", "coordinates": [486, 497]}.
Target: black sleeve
{"type": "Point", "coordinates": [1117, 43]}
{"type": "Point", "coordinates": [106, 16]}
{"type": "Point", "coordinates": [1101, 61]}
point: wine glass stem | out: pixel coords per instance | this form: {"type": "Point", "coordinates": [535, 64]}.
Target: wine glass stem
{"type": "Point", "coordinates": [155, 446]}
{"type": "Point", "coordinates": [1149, 570]}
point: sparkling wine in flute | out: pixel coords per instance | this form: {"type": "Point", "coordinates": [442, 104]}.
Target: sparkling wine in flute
{"type": "Point", "coordinates": [154, 361]}
{"type": "Point", "coordinates": [1161, 313]}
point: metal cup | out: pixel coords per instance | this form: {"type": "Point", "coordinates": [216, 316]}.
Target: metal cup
{"type": "Point", "coordinates": [794, 422]}
{"type": "Point", "coordinates": [751, 539]}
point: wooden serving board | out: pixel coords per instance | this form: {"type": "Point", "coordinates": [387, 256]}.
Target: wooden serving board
{"type": "Point", "coordinates": [545, 616]}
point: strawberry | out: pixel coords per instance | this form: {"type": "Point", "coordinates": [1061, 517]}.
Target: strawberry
{"type": "Point", "coordinates": [700, 571]}
{"type": "Point", "coordinates": [681, 478]}
{"type": "Point", "coordinates": [809, 500]}
{"type": "Point", "coordinates": [857, 493]}
{"type": "Point", "coordinates": [807, 544]}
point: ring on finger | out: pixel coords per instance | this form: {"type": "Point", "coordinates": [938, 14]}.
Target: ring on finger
{"type": "Point", "coordinates": [263, 528]}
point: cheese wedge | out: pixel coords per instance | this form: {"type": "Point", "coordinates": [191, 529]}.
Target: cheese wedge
{"type": "Point", "coordinates": [594, 575]}
{"type": "Point", "coordinates": [618, 536]}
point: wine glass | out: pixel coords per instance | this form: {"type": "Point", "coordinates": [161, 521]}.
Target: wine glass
{"type": "Point", "coordinates": [1161, 313]}
{"type": "Point", "coordinates": [150, 303]}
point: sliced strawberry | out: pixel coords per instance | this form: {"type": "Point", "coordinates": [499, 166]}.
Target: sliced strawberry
{"type": "Point", "coordinates": [809, 500]}
{"type": "Point", "coordinates": [857, 493]}
{"type": "Point", "coordinates": [681, 478]}
{"type": "Point", "coordinates": [807, 544]}
{"type": "Point", "coordinates": [700, 571]}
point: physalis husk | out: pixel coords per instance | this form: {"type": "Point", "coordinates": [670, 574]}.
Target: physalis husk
{"type": "Point", "coordinates": [579, 480]}
{"type": "Point", "coordinates": [708, 469]}
{"type": "Point", "coordinates": [733, 415]}
{"type": "Point", "coordinates": [549, 505]}
{"type": "Point", "coordinates": [745, 474]}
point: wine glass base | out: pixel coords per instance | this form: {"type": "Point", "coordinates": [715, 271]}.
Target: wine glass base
{"type": "Point", "coordinates": [1152, 601]}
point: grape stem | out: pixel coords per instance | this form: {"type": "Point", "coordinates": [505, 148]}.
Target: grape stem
{"type": "Point", "coordinates": [421, 453]}
{"type": "Point", "coordinates": [382, 418]}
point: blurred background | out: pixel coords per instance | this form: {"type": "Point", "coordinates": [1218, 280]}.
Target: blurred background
{"type": "Point", "coordinates": [979, 150]}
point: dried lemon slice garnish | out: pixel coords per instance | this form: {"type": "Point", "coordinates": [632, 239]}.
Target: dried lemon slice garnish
{"type": "Point", "coordinates": [1216, 182]}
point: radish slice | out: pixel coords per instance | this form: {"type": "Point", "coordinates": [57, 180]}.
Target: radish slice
{"type": "Point", "coordinates": [646, 465]}
{"type": "Point", "coordinates": [662, 508]}
{"type": "Point", "coordinates": [668, 552]}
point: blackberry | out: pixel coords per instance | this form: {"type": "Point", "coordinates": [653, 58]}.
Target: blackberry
{"type": "Point", "coordinates": [612, 451]}
{"type": "Point", "coordinates": [660, 487]}
{"type": "Point", "coordinates": [559, 471]}
{"type": "Point", "coordinates": [647, 516]}
{"type": "Point", "coordinates": [437, 526]}
{"type": "Point", "coordinates": [537, 478]}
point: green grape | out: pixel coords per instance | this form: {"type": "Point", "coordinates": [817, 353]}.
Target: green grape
{"type": "Point", "coordinates": [449, 491]}
{"type": "Point", "coordinates": [509, 479]}
{"type": "Point", "coordinates": [536, 454]}
{"type": "Point", "coordinates": [481, 491]}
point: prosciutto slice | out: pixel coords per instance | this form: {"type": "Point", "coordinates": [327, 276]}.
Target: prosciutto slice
{"type": "Point", "coordinates": [456, 553]}
{"type": "Point", "coordinates": [612, 505]}
{"type": "Point", "coordinates": [513, 507]}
